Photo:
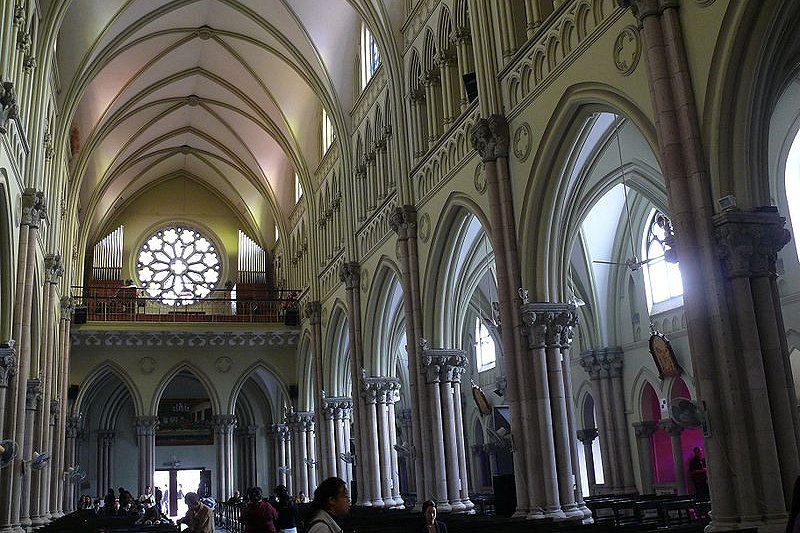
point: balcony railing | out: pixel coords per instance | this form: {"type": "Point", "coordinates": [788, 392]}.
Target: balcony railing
{"type": "Point", "coordinates": [131, 305]}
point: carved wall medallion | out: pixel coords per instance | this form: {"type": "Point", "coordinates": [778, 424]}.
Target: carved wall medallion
{"type": "Point", "coordinates": [522, 142]}
{"type": "Point", "coordinates": [147, 365]}
{"type": "Point", "coordinates": [223, 364]}
{"type": "Point", "coordinates": [398, 249]}
{"type": "Point", "coordinates": [627, 50]}
{"type": "Point", "coordinates": [424, 227]}
{"type": "Point", "coordinates": [364, 279]}
{"type": "Point", "coordinates": [480, 179]}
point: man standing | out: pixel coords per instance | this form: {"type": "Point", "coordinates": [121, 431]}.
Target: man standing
{"type": "Point", "coordinates": [699, 474]}
{"type": "Point", "coordinates": [199, 517]}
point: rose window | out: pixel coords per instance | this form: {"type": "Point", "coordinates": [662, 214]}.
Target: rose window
{"type": "Point", "coordinates": [178, 265]}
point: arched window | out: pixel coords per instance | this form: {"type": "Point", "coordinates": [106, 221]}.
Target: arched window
{"type": "Point", "coordinates": [178, 265]}
{"type": "Point", "coordinates": [662, 278]}
{"type": "Point", "coordinates": [298, 193]}
{"type": "Point", "coordinates": [792, 177]}
{"type": "Point", "coordinates": [484, 346]}
{"type": "Point", "coordinates": [370, 59]}
{"type": "Point", "coordinates": [327, 132]}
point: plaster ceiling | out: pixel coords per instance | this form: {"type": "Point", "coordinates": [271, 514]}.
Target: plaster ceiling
{"type": "Point", "coordinates": [228, 92]}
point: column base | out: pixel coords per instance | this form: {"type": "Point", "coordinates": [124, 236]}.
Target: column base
{"type": "Point", "coordinates": [444, 507]}
{"type": "Point", "coordinates": [458, 507]}
{"type": "Point", "coordinates": [587, 513]}
{"type": "Point", "coordinates": [555, 513]}
{"type": "Point", "coordinates": [535, 514]}
{"type": "Point", "coordinates": [572, 511]}
{"type": "Point", "coordinates": [378, 504]}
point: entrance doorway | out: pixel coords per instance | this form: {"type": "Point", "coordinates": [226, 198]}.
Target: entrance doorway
{"type": "Point", "coordinates": [175, 484]}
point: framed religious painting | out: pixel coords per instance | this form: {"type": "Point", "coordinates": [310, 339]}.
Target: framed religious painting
{"type": "Point", "coordinates": [664, 356]}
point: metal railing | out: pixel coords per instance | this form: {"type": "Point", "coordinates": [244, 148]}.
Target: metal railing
{"type": "Point", "coordinates": [132, 305]}
{"type": "Point", "coordinates": [227, 515]}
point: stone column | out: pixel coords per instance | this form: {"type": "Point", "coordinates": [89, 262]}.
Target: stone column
{"type": "Point", "coordinates": [146, 427]}
{"type": "Point", "coordinates": [311, 461]}
{"type": "Point", "coordinates": [313, 311]}
{"type": "Point", "coordinates": [8, 368]}
{"type": "Point", "coordinates": [370, 458]}
{"type": "Point", "coordinates": [404, 222]}
{"type": "Point", "coordinates": [338, 409]}
{"type": "Point", "coordinates": [463, 41]}
{"type": "Point", "coordinates": [392, 439]}
{"type": "Point", "coordinates": [644, 433]}
{"type": "Point", "coordinates": [587, 436]}
{"type": "Point", "coordinates": [383, 390]}
{"type": "Point", "coordinates": [224, 426]}
{"type": "Point", "coordinates": [613, 361]}
{"type": "Point", "coordinates": [73, 430]}
{"type": "Point", "coordinates": [674, 431]}
{"type": "Point", "coordinates": [280, 433]}
{"type": "Point", "coordinates": [297, 425]}
{"type": "Point", "coordinates": [62, 381]}
{"type": "Point", "coordinates": [443, 368]}
{"type": "Point", "coordinates": [329, 462]}
{"type": "Point", "coordinates": [33, 405]}
{"type": "Point", "coordinates": [248, 458]}
{"type": "Point", "coordinates": [592, 362]}
{"type": "Point", "coordinates": [105, 454]}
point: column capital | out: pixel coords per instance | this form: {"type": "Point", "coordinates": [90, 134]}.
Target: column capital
{"type": "Point", "coordinates": [280, 432]}
{"type": "Point", "coordinates": [490, 137]}
{"type": "Point", "coordinates": [54, 267]}
{"type": "Point", "coordinates": [8, 105]}
{"type": "Point", "coordinates": [247, 431]}
{"type": "Point", "coordinates": [337, 407]}
{"type": "Point", "coordinates": [461, 35]}
{"type": "Point", "coordinates": [8, 362]}
{"type": "Point", "coordinates": [67, 305]}
{"type": "Point", "coordinates": [403, 417]}
{"type": "Point", "coordinates": [587, 435]}
{"type": "Point", "coordinates": [299, 421]}
{"type": "Point", "coordinates": [748, 241]}
{"type": "Point", "coordinates": [54, 408]}
{"type": "Point", "coordinates": [443, 365]}
{"type": "Point", "coordinates": [74, 426]}
{"type": "Point", "coordinates": [548, 324]}
{"type": "Point", "coordinates": [673, 429]}
{"type": "Point", "coordinates": [350, 274]}
{"type": "Point", "coordinates": [224, 424]}
{"type": "Point", "coordinates": [645, 429]}
{"type": "Point", "coordinates": [379, 389]}
{"type": "Point", "coordinates": [611, 360]}
{"type": "Point", "coordinates": [33, 394]}
{"type": "Point", "coordinates": [403, 221]}
{"type": "Point", "coordinates": [34, 208]}
{"type": "Point", "coordinates": [106, 436]}
{"type": "Point", "coordinates": [145, 425]}
{"type": "Point", "coordinates": [590, 364]}
{"type": "Point", "coordinates": [313, 311]}
{"type": "Point", "coordinates": [646, 8]}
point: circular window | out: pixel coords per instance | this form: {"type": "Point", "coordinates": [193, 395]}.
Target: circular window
{"type": "Point", "coordinates": [178, 265]}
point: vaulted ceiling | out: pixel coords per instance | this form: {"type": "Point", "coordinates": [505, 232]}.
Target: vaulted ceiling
{"type": "Point", "coordinates": [226, 92]}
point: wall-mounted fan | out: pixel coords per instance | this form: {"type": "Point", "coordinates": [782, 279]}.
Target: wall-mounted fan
{"type": "Point", "coordinates": [39, 460]}
{"type": "Point", "coordinates": [501, 437]}
{"type": "Point", "coordinates": [310, 462]}
{"type": "Point", "coordinates": [75, 474]}
{"type": "Point", "coordinates": [689, 414]}
{"type": "Point", "coordinates": [403, 450]}
{"type": "Point", "coordinates": [347, 457]}
{"type": "Point", "coordinates": [285, 470]}
{"type": "Point", "coordinates": [8, 450]}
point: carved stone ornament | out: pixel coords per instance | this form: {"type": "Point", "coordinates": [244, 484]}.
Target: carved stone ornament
{"type": "Point", "coordinates": [627, 50]}
{"type": "Point", "coordinates": [523, 142]}
{"type": "Point", "coordinates": [54, 267]}
{"type": "Point", "coordinates": [223, 364]}
{"type": "Point", "coordinates": [364, 279]}
{"type": "Point", "coordinates": [8, 106]}
{"type": "Point", "coordinates": [74, 426]}
{"type": "Point", "coordinates": [34, 208]}
{"type": "Point", "coordinates": [8, 362]}
{"type": "Point", "coordinates": [350, 275]}
{"type": "Point", "coordinates": [67, 305]}
{"type": "Point", "coordinates": [586, 436]}
{"type": "Point", "coordinates": [33, 394]}
{"type": "Point", "coordinates": [379, 389]}
{"type": "Point", "coordinates": [145, 425]}
{"type": "Point", "coordinates": [748, 241]}
{"type": "Point", "coordinates": [54, 408]}
{"type": "Point", "coordinates": [480, 179]}
{"type": "Point", "coordinates": [644, 430]}
{"type": "Point", "coordinates": [442, 365]}
{"type": "Point", "coordinates": [224, 424]}
{"type": "Point", "coordinates": [544, 323]}
{"type": "Point", "coordinates": [644, 8]}
{"type": "Point", "coordinates": [313, 311]}
{"type": "Point", "coordinates": [181, 339]}
{"type": "Point", "coordinates": [147, 365]}
{"type": "Point", "coordinates": [403, 221]}
{"type": "Point", "coordinates": [425, 227]}
{"type": "Point", "coordinates": [490, 137]}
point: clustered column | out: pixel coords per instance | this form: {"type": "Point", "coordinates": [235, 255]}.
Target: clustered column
{"type": "Point", "coordinates": [674, 431]}
{"type": "Point", "coordinates": [644, 433]}
{"type": "Point", "coordinates": [548, 332]}
{"type": "Point", "coordinates": [224, 427]}
{"type": "Point", "coordinates": [442, 370]}
{"type": "Point", "coordinates": [14, 423]}
{"type": "Point", "coordinates": [60, 432]}
{"type": "Point", "coordinates": [8, 367]}
{"type": "Point", "coordinates": [337, 419]}
{"type": "Point", "coordinates": [313, 311]}
{"type": "Point", "coordinates": [301, 425]}
{"type": "Point", "coordinates": [283, 461]}
{"type": "Point", "coordinates": [586, 437]}
{"type": "Point", "coordinates": [105, 458]}
{"type": "Point", "coordinates": [33, 404]}
{"type": "Point", "coordinates": [380, 394]}
{"type": "Point", "coordinates": [604, 366]}
{"type": "Point", "coordinates": [146, 441]}
{"type": "Point", "coordinates": [73, 429]}
{"type": "Point", "coordinates": [248, 460]}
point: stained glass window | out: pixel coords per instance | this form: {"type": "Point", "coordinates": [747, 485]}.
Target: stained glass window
{"type": "Point", "coordinates": [663, 278]}
{"type": "Point", "coordinates": [178, 266]}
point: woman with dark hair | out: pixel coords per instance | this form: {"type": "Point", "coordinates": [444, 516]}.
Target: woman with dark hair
{"type": "Point", "coordinates": [431, 524]}
{"type": "Point", "coordinates": [793, 526]}
{"type": "Point", "coordinates": [259, 516]}
{"type": "Point", "coordinates": [330, 500]}
{"type": "Point", "coordinates": [287, 511]}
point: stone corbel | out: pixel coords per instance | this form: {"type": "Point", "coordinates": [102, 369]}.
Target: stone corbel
{"type": "Point", "coordinates": [33, 394]}
{"type": "Point", "coordinates": [350, 274]}
{"type": "Point", "coordinates": [748, 241]}
{"type": "Point", "coordinates": [8, 105]}
{"type": "Point", "coordinates": [8, 362]}
{"type": "Point", "coordinates": [490, 137]}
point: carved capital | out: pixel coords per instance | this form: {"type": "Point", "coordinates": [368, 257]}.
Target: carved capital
{"type": "Point", "coordinates": [313, 311]}
{"type": "Point", "coordinates": [74, 426]}
{"type": "Point", "coordinates": [548, 324]}
{"type": "Point", "coordinates": [645, 429]}
{"type": "Point", "coordinates": [673, 429]}
{"type": "Point", "coordinates": [280, 432]}
{"type": "Point", "coordinates": [54, 408]}
{"type": "Point", "coordinates": [490, 137]}
{"type": "Point", "coordinates": [105, 437]}
{"type": "Point", "coordinates": [33, 394]}
{"type": "Point", "coordinates": [224, 424]}
{"type": "Point", "coordinates": [8, 362]}
{"type": "Point", "coordinates": [590, 363]}
{"type": "Point", "coordinates": [379, 389]}
{"type": "Point", "coordinates": [53, 267]}
{"type": "Point", "coordinates": [67, 305]}
{"type": "Point", "coordinates": [611, 360]}
{"type": "Point", "coordinates": [34, 208]}
{"type": "Point", "coordinates": [748, 241]}
{"type": "Point", "coordinates": [8, 105]}
{"type": "Point", "coordinates": [403, 221]}
{"type": "Point", "coordinates": [443, 366]}
{"type": "Point", "coordinates": [145, 426]}
{"type": "Point", "coordinates": [350, 274]}
{"type": "Point", "coordinates": [300, 421]}
{"type": "Point", "coordinates": [642, 8]}
{"type": "Point", "coordinates": [587, 435]}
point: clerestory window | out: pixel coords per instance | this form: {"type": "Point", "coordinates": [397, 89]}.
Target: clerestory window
{"type": "Point", "coordinates": [370, 58]}
{"type": "Point", "coordinates": [662, 278]}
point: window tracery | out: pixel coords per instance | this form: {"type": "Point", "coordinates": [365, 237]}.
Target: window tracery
{"type": "Point", "coordinates": [662, 277]}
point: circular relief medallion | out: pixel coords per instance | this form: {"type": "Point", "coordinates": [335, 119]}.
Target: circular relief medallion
{"type": "Point", "coordinates": [627, 50]}
{"type": "Point", "coordinates": [522, 142]}
{"type": "Point", "coordinates": [424, 227]}
{"type": "Point", "coordinates": [223, 364]}
{"type": "Point", "coordinates": [398, 252]}
{"type": "Point", "coordinates": [147, 365]}
{"type": "Point", "coordinates": [364, 279]}
{"type": "Point", "coordinates": [480, 179]}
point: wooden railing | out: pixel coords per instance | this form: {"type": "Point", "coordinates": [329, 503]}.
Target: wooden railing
{"type": "Point", "coordinates": [227, 515]}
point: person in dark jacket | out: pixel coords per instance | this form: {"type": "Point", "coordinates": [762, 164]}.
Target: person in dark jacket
{"type": "Point", "coordinates": [431, 524]}
{"type": "Point", "coordinates": [259, 516]}
{"type": "Point", "coordinates": [287, 521]}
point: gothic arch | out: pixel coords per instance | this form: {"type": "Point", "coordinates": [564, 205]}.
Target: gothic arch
{"type": "Point", "coordinates": [539, 234]}
{"type": "Point", "coordinates": [384, 309]}
{"type": "Point", "coordinates": [7, 256]}
{"type": "Point", "coordinates": [305, 369]}
{"type": "Point", "coordinates": [100, 376]}
{"type": "Point", "coordinates": [197, 373]}
{"type": "Point", "coordinates": [281, 392]}
{"type": "Point", "coordinates": [337, 350]}
{"type": "Point", "coordinates": [644, 378]}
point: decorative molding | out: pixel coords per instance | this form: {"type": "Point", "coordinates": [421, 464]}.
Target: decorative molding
{"type": "Point", "coordinates": [480, 179]}
{"type": "Point", "coordinates": [442, 365]}
{"type": "Point", "coordinates": [188, 339]}
{"type": "Point", "coordinates": [33, 394]}
{"type": "Point", "coordinates": [748, 242]}
{"type": "Point", "coordinates": [522, 142]}
{"type": "Point", "coordinates": [223, 364]}
{"type": "Point", "coordinates": [417, 20]}
{"type": "Point", "coordinates": [8, 362]}
{"type": "Point", "coordinates": [147, 365]}
{"type": "Point", "coordinates": [375, 231]}
{"type": "Point", "coordinates": [627, 50]}
{"type": "Point", "coordinates": [424, 227]}
{"type": "Point", "coordinates": [370, 95]}
{"type": "Point", "coordinates": [489, 137]}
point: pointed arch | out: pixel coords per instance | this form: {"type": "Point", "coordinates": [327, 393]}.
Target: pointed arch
{"type": "Point", "coordinates": [305, 369]}
{"type": "Point", "coordinates": [7, 256]}
{"type": "Point", "coordinates": [280, 393]}
{"type": "Point", "coordinates": [337, 350]}
{"type": "Point", "coordinates": [101, 375]}
{"type": "Point", "coordinates": [383, 312]}
{"type": "Point", "coordinates": [202, 377]}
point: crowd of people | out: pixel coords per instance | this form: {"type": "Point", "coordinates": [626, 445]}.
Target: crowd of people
{"type": "Point", "coordinates": [142, 510]}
